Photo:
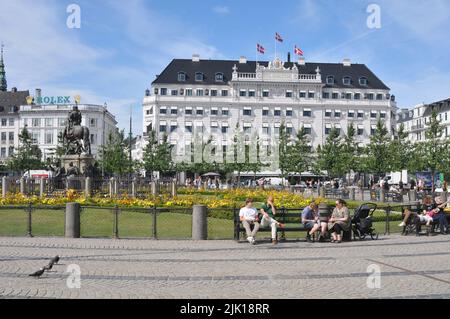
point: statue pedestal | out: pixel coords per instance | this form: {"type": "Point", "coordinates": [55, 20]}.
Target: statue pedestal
{"type": "Point", "coordinates": [80, 161]}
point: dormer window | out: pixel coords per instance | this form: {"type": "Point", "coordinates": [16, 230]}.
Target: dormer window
{"type": "Point", "coordinates": [363, 81]}
{"type": "Point", "coordinates": [181, 77]}
{"type": "Point", "coordinates": [198, 76]}
{"type": "Point", "coordinates": [330, 80]}
{"type": "Point", "coordinates": [347, 80]}
{"type": "Point", "coordinates": [219, 77]}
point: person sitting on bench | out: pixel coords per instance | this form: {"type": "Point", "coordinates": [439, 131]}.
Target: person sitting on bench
{"type": "Point", "coordinates": [249, 216]}
{"type": "Point", "coordinates": [268, 212]}
{"type": "Point", "coordinates": [339, 221]}
{"type": "Point", "coordinates": [427, 205]}
{"type": "Point", "coordinates": [310, 218]}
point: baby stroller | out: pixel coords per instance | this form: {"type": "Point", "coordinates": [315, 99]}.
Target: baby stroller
{"type": "Point", "coordinates": [362, 222]}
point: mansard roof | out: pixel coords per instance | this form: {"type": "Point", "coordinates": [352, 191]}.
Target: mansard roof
{"type": "Point", "coordinates": [210, 67]}
{"type": "Point", "coordinates": [16, 99]}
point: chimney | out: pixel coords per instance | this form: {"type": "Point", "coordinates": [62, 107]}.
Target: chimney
{"type": "Point", "coordinates": [242, 60]}
{"type": "Point", "coordinates": [37, 94]}
{"type": "Point", "coordinates": [301, 61]}
{"type": "Point", "coordinates": [289, 57]}
{"type": "Point", "coordinates": [347, 62]}
{"type": "Point", "coordinates": [14, 90]}
{"type": "Point", "coordinates": [195, 58]}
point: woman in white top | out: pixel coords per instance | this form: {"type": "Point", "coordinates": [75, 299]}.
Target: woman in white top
{"type": "Point", "coordinates": [249, 216]}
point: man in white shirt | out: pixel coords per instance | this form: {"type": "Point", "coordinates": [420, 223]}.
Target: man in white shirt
{"type": "Point", "coordinates": [249, 216]}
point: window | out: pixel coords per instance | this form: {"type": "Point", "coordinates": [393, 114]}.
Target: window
{"type": "Point", "coordinates": [348, 96]}
{"type": "Point", "coordinates": [224, 93]}
{"type": "Point", "coordinates": [188, 111]}
{"type": "Point", "coordinates": [337, 127]}
{"type": "Point", "coordinates": [213, 92]}
{"type": "Point", "coordinates": [373, 114]}
{"type": "Point", "coordinates": [219, 77]}
{"type": "Point", "coordinates": [335, 96]}
{"type": "Point", "coordinates": [251, 93]}
{"type": "Point", "coordinates": [242, 93]}
{"type": "Point", "coordinates": [247, 111]}
{"type": "Point", "coordinates": [214, 111]}
{"type": "Point", "coordinates": [224, 129]}
{"type": "Point", "coordinates": [93, 139]}
{"type": "Point", "coordinates": [265, 111]}
{"type": "Point", "coordinates": [92, 122]}
{"type": "Point", "coordinates": [199, 111]}
{"type": "Point", "coordinates": [4, 122]}
{"type": "Point", "coordinates": [225, 112]}
{"type": "Point", "coordinates": [351, 114]}
{"type": "Point", "coordinates": [288, 94]}
{"type": "Point", "coordinates": [188, 92]}
{"type": "Point", "coordinates": [36, 122]}
{"type": "Point", "coordinates": [347, 80]}
{"type": "Point", "coordinates": [11, 122]}
{"type": "Point", "coordinates": [289, 130]}
{"type": "Point", "coordinates": [379, 97]}
{"type": "Point", "coordinates": [199, 92]}
{"type": "Point", "coordinates": [174, 92]}
{"type": "Point", "coordinates": [373, 129]}
{"type": "Point", "coordinates": [302, 94]}
{"type": "Point", "coordinates": [363, 81]}
{"type": "Point", "coordinates": [48, 122]}
{"type": "Point", "coordinates": [337, 113]}
{"type": "Point", "coordinates": [163, 110]}
{"type": "Point", "coordinates": [48, 137]}
{"type": "Point", "coordinates": [61, 122]}
{"type": "Point", "coordinates": [360, 114]}
{"type": "Point", "coordinates": [277, 112]}
{"type": "Point", "coordinates": [265, 93]}
{"type": "Point", "coordinates": [327, 129]}
{"type": "Point", "coordinates": [311, 95]}
{"type": "Point", "coordinates": [330, 80]}
{"type": "Point", "coordinates": [326, 95]}
{"type": "Point", "coordinates": [35, 136]}
{"type": "Point", "coordinates": [357, 96]}
{"type": "Point", "coordinates": [11, 137]}
{"type": "Point", "coordinates": [214, 127]}
{"type": "Point", "coordinates": [265, 129]}
{"type": "Point", "coordinates": [174, 111]}
{"type": "Point", "coordinates": [327, 113]}
{"type": "Point", "coordinates": [188, 127]}
{"type": "Point", "coordinates": [173, 127]}
{"type": "Point", "coordinates": [3, 137]}
{"type": "Point", "coordinates": [307, 112]}
{"type": "Point", "coordinates": [369, 96]}
{"type": "Point", "coordinates": [3, 152]}
{"type": "Point", "coordinates": [163, 91]}
{"type": "Point", "coordinates": [162, 127]}
{"type": "Point", "coordinates": [247, 128]}
{"type": "Point", "coordinates": [181, 77]}
{"type": "Point", "coordinates": [360, 130]}
{"type": "Point", "coordinates": [382, 114]}
{"type": "Point", "coordinates": [307, 129]}
{"type": "Point", "coordinates": [198, 76]}
{"type": "Point", "coordinates": [289, 112]}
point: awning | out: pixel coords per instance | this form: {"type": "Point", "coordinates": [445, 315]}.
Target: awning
{"type": "Point", "coordinates": [214, 124]}
{"type": "Point", "coordinates": [197, 124]}
{"type": "Point", "coordinates": [337, 126]}
{"type": "Point", "coordinates": [189, 108]}
{"type": "Point", "coordinates": [277, 125]}
{"type": "Point", "coordinates": [307, 126]}
{"type": "Point", "coordinates": [265, 125]}
{"type": "Point", "coordinates": [247, 108]}
{"type": "Point", "coordinates": [162, 123]}
{"type": "Point", "coordinates": [214, 109]}
{"type": "Point", "coordinates": [327, 125]}
{"type": "Point", "coordinates": [224, 124]}
{"type": "Point", "coordinates": [188, 124]}
{"type": "Point", "coordinates": [360, 126]}
{"type": "Point", "coordinates": [307, 110]}
{"type": "Point", "coordinates": [247, 124]}
{"type": "Point", "coordinates": [173, 123]}
{"type": "Point", "coordinates": [289, 125]}
{"type": "Point", "coordinates": [265, 108]}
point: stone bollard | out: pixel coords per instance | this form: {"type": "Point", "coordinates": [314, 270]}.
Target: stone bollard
{"type": "Point", "coordinates": [412, 195]}
{"type": "Point", "coordinates": [111, 187]}
{"type": "Point", "coordinates": [4, 186]}
{"type": "Point", "coordinates": [41, 187]}
{"type": "Point", "coordinates": [154, 188]}
{"type": "Point", "coordinates": [22, 186]}
{"type": "Point", "coordinates": [199, 222]}
{"type": "Point", "coordinates": [72, 229]}
{"type": "Point", "coordinates": [322, 192]}
{"type": "Point", "coordinates": [116, 187]}
{"type": "Point", "coordinates": [88, 187]}
{"type": "Point", "coordinates": [205, 185]}
{"type": "Point", "coordinates": [133, 187]}
{"type": "Point", "coordinates": [352, 194]}
{"type": "Point", "coordinates": [362, 193]}
{"type": "Point", "coordinates": [174, 188]}
{"type": "Point", "coordinates": [382, 195]}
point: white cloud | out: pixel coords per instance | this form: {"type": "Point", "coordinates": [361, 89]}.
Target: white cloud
{"type": "Point", "coordinates": [222, 10]}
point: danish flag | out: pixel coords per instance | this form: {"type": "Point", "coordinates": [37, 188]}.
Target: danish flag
{"type": "Point", "coordinates": [298, 51]}
{"type": "Point", "coordinates": [278, 37]}
{"type": "Point", "coordinates": [260, 48]}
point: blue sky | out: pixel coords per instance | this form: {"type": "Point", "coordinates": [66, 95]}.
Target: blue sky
{"type": "Point", "coordinates": [122, 45]}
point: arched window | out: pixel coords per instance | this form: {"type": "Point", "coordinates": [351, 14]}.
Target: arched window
{"type": "Point", "coordinates": [198, 76]}
{"type": "Point", "coordinates": [330, 80]}
{"type": "Point", "coordinates": [181, 77]}
{"type": "Point", "coordinates": [363, 81]}
{"type": "Point", "coordinates": [347, 80]}
{"type": "Point", "coordinates": [219, 77]}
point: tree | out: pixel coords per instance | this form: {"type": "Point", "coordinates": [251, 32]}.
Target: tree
{"type": "Point", "coordinates": [329, 155]}
{"type": "Point", "coordinates": [400, 150]}
{"type": "Point", "coordinates": [350, 153]}
{"type": "Point", "coordinates": [378, 157]}
{"type": "Point", "coordinates": [27, 156]}
{"type": "Point", "coordinates": [299, 154]}
{"type": "Point", "coordinates": [285, 163]}
{"type": "Point", "coordinates": [157, 156]}
{"type": "Point", "coordinates": [115, 155]}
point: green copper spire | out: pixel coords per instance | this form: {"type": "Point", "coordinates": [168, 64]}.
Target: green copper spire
{"type": "Point", "coordinates": [3, 85]}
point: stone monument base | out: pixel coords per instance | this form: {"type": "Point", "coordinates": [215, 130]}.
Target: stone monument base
{"type": "Point", "coordinates": [80, 161]}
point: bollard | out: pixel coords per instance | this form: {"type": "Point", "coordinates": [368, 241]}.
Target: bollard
{"type": "Point", "coordinates": [133, 188]}
{"type": "Point", "coordinates": [174, 188]}
{"type": "Point", "coordinates": [87, 187]}
{"type": "Point", "coordinates": [412, 195]}
{"type": "Point", "coordinates": [205, 185]}
{"type": "Point", "coordinates": [382, 195]}
{"type": "Point", "coordinates": [154, 189]}
{"type": "Point", "coordinates": [362, 194]}
{"type": "Point", "coordinates": [199, 222]}
{"type": "Point", "coordinates": [22, 186]}
{"type": "Point", "coordinates": [352, 194]}
{"type": "Point", "coordinates": [116, 187]}
{"type": "Point", "coordinates": [111, 187]}
{"type": "Point", "coordinates": [41, 187]}
{"type": "Point", "coordinates": [4, 186]}
{"type": "Point", "coordinates": [72, 220]}
{"type": "Point", "coordinates": [322, 192]}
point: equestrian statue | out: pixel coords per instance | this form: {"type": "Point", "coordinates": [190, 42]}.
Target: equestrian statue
{"type": "Point", "coordinates": [74, 133]}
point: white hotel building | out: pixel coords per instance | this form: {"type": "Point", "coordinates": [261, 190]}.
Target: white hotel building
{"type": "Point", "coordinates": [216, 95]}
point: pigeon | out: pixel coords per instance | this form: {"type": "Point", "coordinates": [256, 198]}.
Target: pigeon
{"type": "Point", "coordinates": [38, 273]}
{"type": "Point", "coordinates": [49, 266]}
{"type": "Point", "coordinates": [54, 260]}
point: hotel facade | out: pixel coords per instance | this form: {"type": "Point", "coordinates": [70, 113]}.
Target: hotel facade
{"type": "Point", "coordinates": [216, 96]}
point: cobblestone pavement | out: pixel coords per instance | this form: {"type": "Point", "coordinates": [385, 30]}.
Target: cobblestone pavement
{"type": "Point", "coordinates": [410, 267]}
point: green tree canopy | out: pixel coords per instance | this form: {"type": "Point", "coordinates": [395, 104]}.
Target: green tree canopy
{"type": "Point", "coordinates": [27, 156]}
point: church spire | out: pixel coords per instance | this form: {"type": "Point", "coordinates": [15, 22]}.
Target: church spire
{"type": "Point", "coordinates": [3, 85]}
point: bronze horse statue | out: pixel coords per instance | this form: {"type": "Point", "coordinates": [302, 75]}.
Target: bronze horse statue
{"type": "Point", "coordinates": [75, 134]}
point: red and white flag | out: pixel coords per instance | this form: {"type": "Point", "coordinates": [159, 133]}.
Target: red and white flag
{"type": "Point", "coordinates": [298, 51]}
{"type": "Point", "coordinates": [260, 48]}
{"type": "Point", "coordinates": [278, 37]}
